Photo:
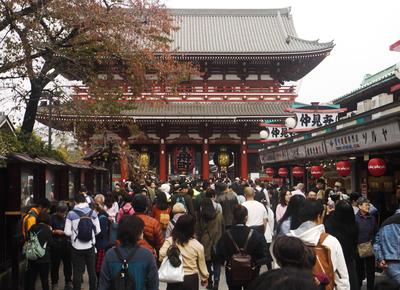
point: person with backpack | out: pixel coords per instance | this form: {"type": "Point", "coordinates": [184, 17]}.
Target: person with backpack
{"type": "Point", "coordinates": [211, 228]}
{"type": "Point", "coordinates": [182, 196]}
{"type": "Point", "coordinates": [228, 201]}
{"type": "Point", "coordinates": [178, 210]}
{"type": "Point", "coordinates": [82, 225]}
{"type": "Point", "coordinates": [192, 252]}
{"type": "Point", "coordinates": [61, 248]}
{"type": "Point", "coordinates": [161, 211]}
{"type": "Point", "coordinates": [129, 266]}
{"type": "Point", "coordinates": [327, 248]}
{"type": "Point", "coordinates": [241, 248]}
{"type": "Point", "coordinates": [127, 208]}
{"type": "Point", "coordinates": [102, 239]}
{"type": "Point", "coordinates": [37, 251]}
{"type": "Point", "coordinates": [29, 219]}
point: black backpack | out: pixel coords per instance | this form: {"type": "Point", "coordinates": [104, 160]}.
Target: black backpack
{"type": "Point", "coordinates": [85, 226]}
{"type": "Point", "coordinates": [123, 280]}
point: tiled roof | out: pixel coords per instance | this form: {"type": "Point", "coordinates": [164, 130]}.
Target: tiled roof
{"type": "Point", "coordinates": [209, 109]}
{"type": "Point", "coordinates": [239, 31]}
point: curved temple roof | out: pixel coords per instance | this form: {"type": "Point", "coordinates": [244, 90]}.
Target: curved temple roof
{"type": "Point", "coordinates": [239, 31]}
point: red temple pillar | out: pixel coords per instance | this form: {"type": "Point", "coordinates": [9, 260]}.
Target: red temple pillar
{"type": "Point", "coordinates": [243, 159]}
{"type": "Point", "coordinates": [124, 167]}
{"type": "Point", "coordinates": [163, 160]}
{"type": "Point", "coordinates": [204, 164]}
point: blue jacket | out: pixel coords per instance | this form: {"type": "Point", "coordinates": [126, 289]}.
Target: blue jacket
{"type": "Point", "coordinates": [366, 227]}
{"type": "Point", "coordinates": [142, 267]}
{"type": "Point", "coordinates": [102, 239]}
{"type": "Point", "coordinates": [387, 241]}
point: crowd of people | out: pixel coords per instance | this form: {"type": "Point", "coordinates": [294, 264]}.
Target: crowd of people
{"type": "Point", "coordinates": [320, 239]}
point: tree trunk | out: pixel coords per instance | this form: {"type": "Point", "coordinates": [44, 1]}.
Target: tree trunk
{"type": "Point", "coordinates": [31, 108]}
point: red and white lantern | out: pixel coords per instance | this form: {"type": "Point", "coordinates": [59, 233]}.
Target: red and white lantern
{"type": "Point", "coordinates": [343, 168]}
{"type": "Point", "coordinates": [270, 171]}
{"type": "Point", "coordinates": [298, 172]}
{"type": "Point", "coordinates": [317, 171]}
{"type": "Point", "coordinates": [377, 166]}
{"type": "Point", "coordinates": [283, 172]}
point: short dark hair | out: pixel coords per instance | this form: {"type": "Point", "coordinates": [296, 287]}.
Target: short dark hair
{"type": "Point", "coordinates": [44, 217]}
{"type": "Point", "coordinates": [80, 198]}
{"type": "Point", "coordinates": [210, 193]}
{"type": "Point", "coordinates": [184, 229]}
{"type": "Point", "coordinates": [44, 203]}
{"type": "Point", "coordinates": [311, 210]}
{"type": "Point", "coordinates": [239, 214]}
{"type": "Point", "coordinates": [289, 252]}
{"type": "Point", "coordinates": [62, 207]}
{"type": "Point", "coordinates": [130, 228]}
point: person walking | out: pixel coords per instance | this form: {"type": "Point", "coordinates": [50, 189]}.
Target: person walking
{"type": "Point", "coordinates": [178, 210]}
{"type": "Point", "coordinates": [141, 264]}
{"type": "Point", "coordinates": [228, 201]}
{"type": "Point", "coordinates": [40, 266]}
{"type": "Point", "coordinates": [257, 214]}
{"type": "Point", "coordinates": [192, 252]}
{"type": "Point", "coordinates": [31, 216]}
{"type": "Point", "coordinates": [161, 211]}
{"type": "Point", "coordinates": [284, 198]}
{"type": "Point", "coordinates": [367, 228]}
{"type": "Point", "coordinates": [291, 219]}
{"type": "Point", "coordinates": [127, 208]}
{"type": "Point", "coordinates": [82, 225]}
{"type": "Point", "coordinates": [61, 248]}
{"type": "Point", "coordinates": [102, 239]}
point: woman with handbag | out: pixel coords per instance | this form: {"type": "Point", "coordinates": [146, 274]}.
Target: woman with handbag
{"type": "Point", "coordinates": [191, 251]}
{"type": "Point", "coordinates": [365, 262]}
{"type": "Point", "coordinates": [211, 229]}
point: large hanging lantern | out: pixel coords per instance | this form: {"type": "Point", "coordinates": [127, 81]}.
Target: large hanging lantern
{"type": "Point", "coordinates": [283, 172]}
{"type": "Point", "coordinates": [270, 171]}
{"type": "Point", "coordinates": [317, 171]}
{"type": "Point", "coordinates": [223, 159]}
{"type": "Point", "coordinates": [343, 168]}
{"type": "Point", "coordinates": [298, 172]}
{"type": "Point", "coordinates": [144, 159]}
{"type": "Point", "coordinates": [184, 159]}
{"type": "Point", "coordinates": [377, 166]}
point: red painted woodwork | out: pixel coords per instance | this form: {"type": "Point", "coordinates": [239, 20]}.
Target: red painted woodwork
{"type": "Point", "coordinates": [205, 172]}
{"type": "Point", "coordinates": [243, 160]}
{"type": "Point", "coordinates": [124, 168]}
{"type": "Point", "coordinates": [270, 171]}
{"type": "Point", "coordinates": [377, 166]}
{"type": "Point", "coordinates": [317, 171]}
{"type": "Point", "coordinates": [283, 172]}
{"type": "Point", "coordinates": [343, 168]}
{"type": "Point", "coordinates": [163, 161]}
{"type": "Point", "coordinates": [298, 172]}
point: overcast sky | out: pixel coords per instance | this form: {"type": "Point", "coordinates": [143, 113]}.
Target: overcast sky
{"type": "Point", "coordinates": [361, 30]}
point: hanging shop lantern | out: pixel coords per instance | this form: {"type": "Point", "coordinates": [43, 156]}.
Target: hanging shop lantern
{"type": "Point", "coordinates": [270, 171]}
{"type": "Point", "coordinates": [343, 168]}
{"type": "Point", "coordinates": [377, 166]}
{"type": "Point", "coordinates": [317, 171]}
{"type": "Point", "coordinates": [298, 172]}
{"type": "Point", "coordinates": [283, 172]}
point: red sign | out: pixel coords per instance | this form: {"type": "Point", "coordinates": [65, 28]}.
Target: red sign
{"type": "Point", "coordinates": [376, 166]}
{"type": "Point", "coordinates": [184, 158]}
{"type": "Point", "coordinates": [283, 172]}
{"type": "Point", "coordinates": [298, 171]}
{"type": "Point", "coordinates": [317, 171]}
{"type": "Point", "coordinates": [270, 171]}
{"type": "Point", "coordinates": [343, 168]}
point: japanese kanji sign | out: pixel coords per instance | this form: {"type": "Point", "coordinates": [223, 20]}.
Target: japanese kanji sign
{"type": "Point", "coordinates": [278, 133]}
{"type": "Point", "coordinates": [184, 158]}
{"type": "Point", "coordinates": [314, 120]}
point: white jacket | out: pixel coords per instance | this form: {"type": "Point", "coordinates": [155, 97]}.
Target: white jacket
{"type": "Point", "coordinates": [269, 229]}
{"type": "Point", "coordinates": [309, 233]}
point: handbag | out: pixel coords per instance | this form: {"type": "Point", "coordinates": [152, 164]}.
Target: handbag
{"type": "Point", "coordinates": [365, 249]}
{"type": "Point", "coordinates": [168, 273]}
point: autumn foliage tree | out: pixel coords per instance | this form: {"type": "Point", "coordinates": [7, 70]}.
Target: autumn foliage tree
{"type": "Point", "coordinates": [43, 41]}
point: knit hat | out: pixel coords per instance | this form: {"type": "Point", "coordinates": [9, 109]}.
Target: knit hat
{"type": "Point", "coordinates": [178, 208]}
{"type": "Point", "coordinates": [139, 203]}
{"type": "Point", "coordinates": [165, 188]}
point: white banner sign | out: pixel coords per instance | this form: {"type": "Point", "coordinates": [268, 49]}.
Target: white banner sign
{"type": "Point", "coordinates": [315, 120]}
{"type": "Point", "coordinates": [278, 133]}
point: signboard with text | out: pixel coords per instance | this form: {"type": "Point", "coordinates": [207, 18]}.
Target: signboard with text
{"type": "Point", "coordinates": [313, 120]}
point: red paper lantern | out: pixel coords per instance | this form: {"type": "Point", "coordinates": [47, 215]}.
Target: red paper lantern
{"type": "Point", "coordinates": [376, 166]}
{"type": "Point", "coordinates": [270, 171]}
{"type": "Point", "coordinates": [298, 171]}
{"type": "Point", "coordinates": [317, 171]}
{"type": "Point", "coordinates": [343, 168]}
{"type": "Point", "coordinates": [283, 172]}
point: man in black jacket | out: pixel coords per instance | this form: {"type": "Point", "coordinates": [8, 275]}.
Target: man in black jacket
{"type": "Point", "coordinates": [240, 233]}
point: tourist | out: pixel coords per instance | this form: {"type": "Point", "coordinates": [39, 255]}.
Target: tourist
{"type": "Point", "coordinates": [291, 219]}
{"type": "Point", "coordinates": [151, 189]}
{"type": "Point", "coordinates": [310, 231]}
{"type": "Point", "coordinates": [211, 227]}
{"type": "Point", "coordinates": [299, 190]}
{"type": "Point", "coordinates": [192, 252]}
{"type": "Point", "coordinates": [182, 195]}
{"type": "Point", "coordinates": [320, 189]}
{"type": "Point", "coordinates": [342, 225]}
{"type": "Point", "coordinates": [386, 246]}
{"type": "Point", "coordinates": [99, 199]}
{"type": "Point", "coordinates": [152, 235]}
{"type": "Point", "coordinates": [111, 207]}
{"type": "Point", "coordinates": [178, 210]}
{"type": "Point", "coordinates": [85, 193]}
{"type": "Point", "coordinates": [284, 198]}
{"type": "Point", "coordinates": [61, 248]}
{"type": "Point", "coordinates": [166, 188]}
{"type": "Point", "coordinates": [257, 214]}
{"type": "Point", "coordinates": [127, 207]}
{"type": "Point", "coordinates": [102, 239]}
{"type": "Point", "coordinates": [161, 211]}
{"type": "Point", "coordinates": [228, 201]}
{"type": "Point", "coordinates": [367, 228]}
{"type": "Point", "coordinates": [312, 195]}
{"type": "Point", "coordinates": [141, 263]}
{"type": "Point", "coordinates": [83, 251]}
{"type": "Point", "coordinates": [241, 234]}
{"type": "Point", "coordinates": [41, 266]}
{"type": "Point", "coordinates": [30, 217]}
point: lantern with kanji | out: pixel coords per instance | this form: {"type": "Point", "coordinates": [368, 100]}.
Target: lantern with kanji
{"type": "Point", "coordinates": [317, 171]}
{"type": "Point", "coordinates": [376, 166]}
{"type": "Point", "coordinates": [298, 172]}
{"type": "Point", "coordinates": [144, 159]}
{"type": "Point", "coordinates": [283, 172]}
{"type": "Point", "coordinates": [223, 158]}
{"type": "Point", "coordinates": [343, 168]}
{"type": "Point", "coordinates": [270, 171]}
